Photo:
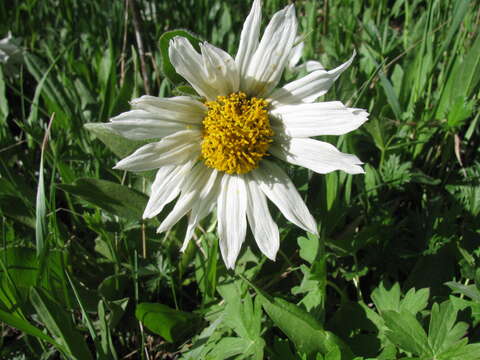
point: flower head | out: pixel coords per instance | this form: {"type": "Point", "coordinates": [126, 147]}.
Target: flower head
{"type": "Point", "coordinates": [218, 152]}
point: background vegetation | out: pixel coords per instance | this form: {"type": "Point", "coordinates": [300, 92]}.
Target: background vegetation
{"type": "Point", "coordinates": [395, 272]}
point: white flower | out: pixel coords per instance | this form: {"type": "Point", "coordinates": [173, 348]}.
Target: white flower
{"type": "Point", "coordinates": [219, 152]}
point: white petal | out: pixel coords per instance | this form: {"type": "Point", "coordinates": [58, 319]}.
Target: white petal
{"type": "Point", "coordinates": [278, 187]}
{"type": "Point", "coordinates": [315, 155]}
{"type": "Point", "coordinates": [312, 65]}
{"type": "Point", "coordinates": [295, 53]}
{"type": "Point", "coordinates": [272, 54]}
{"type": "Point", "coordinates": [309, 88]}
{"type": "Point", "coordinates": [221, 69]}
{"type": "Point", "coordinates": [211, 74]}
{"type": "Point", "coordinates": [264, 229]}
{"type": "Point", "coordinates": [184, 109]}
{"type": "Point", "coordinates": [193, 186]}
{"type": "Point", "coordinates": [189, 63]}
{"type": "Point", "coordinates": [203, 206]}
{"type": "Point", "coordinates": [166, 187]}
{"type": "Point", "coordinates": [232, 222]}
{"type": "Point", "coordinates": [174, 149]}
{"type": "Point", "coordinates": [323, 118]}
{"type": "Point", "coordinates": [141, 125]}
{"type": "Point", "coordinates": [249, 38]}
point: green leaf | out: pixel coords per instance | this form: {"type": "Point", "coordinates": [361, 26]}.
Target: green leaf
{"type": "Point", "coordinates": [442, 319]}
{"type": "Point", "coordinates": [59, 324]}
{"type": "Point", "coordinates": [113, 286]}
{"type": "Point", "coordinates": [245, 318]}
{"type": "Point", "coordinates": [33, 63]}
{"type": "Point", "coordinates": [392, 97]}
{"type": "Point", "coordinates": [16, 209]}
{"type": "Point", "coordinates": [164, 43]}
{"type": "Point", "coordinates": [173, 325]}
{"type": "Point", "coordinates": [3, 100]}
{"type": "Point", "coordinates": [300, 327]}
{"type": "Point", "coordinates": [469, 76]}
{"type": "Point", "coordinates": [308, 247]}
{"type": "Point", "coordinates": [106, 341]}
{"type": "Point", "coordinates": [334, 354]}
{"type": "Point", "coordinates": [387, 299]}
{"type": "Point", "coordinates": [228, 347]}
{"type": "Point", "coordinates": [311, 286]}
{"type": "Point", "coordinates": [112, 197]}
{"type": "Point", "coordinates": [460, 110]}
{"type": "Point", "coordinates": [468, 290]}
{"type": "Point", "coordinates": [206, 268]}
{"type": "Point", "coordinates": [100, 353]}
{"type": "Point", "coordinates": [23, 266]}
{"type": "Point", "coordinates": [116, 143]}
{"type": "Point", "coordinates": [23, 325]}
{"type": "Point", "coordinates": [40, 213]}
{"type": "Point", "coordinates": [477, 279]}
{"type": "Point", "coordinates": [462, 352]}
{"type": "Point", "coordinates": [415, 301]}
{"type": "Point", "coordinates": [406, 332]}
{"type": "Point", "coordinates": [374, 128]}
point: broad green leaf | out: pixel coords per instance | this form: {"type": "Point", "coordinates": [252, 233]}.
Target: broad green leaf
{"type": "Point", "coordinates": [312, 285]}
{"type": "Point", "coordinates": [23, 266]}
{"type": "Point", "coordinates": [173, 325]}
{"type": "Point", "coordinates": [59, 324]}
{"type": "Point", "coordinates": [415, 301]}
{"type": "Point", "coordinates": [468, 290]}
{"type": "Point", "coordinates": [387, 299]}
{"type": "Point", "coordinates": [113, 286]}
{"type": "Point", "coordinates": [164, 43]}
{"type": "Point", "coordinates": [300, 327]}
{"type": "Point", "coordinates": [112, 197]}
{"type": "Point", "coordinates": [469, 76]}
{"type": "Point", "coordinates": [229, 347]}
{"type": "Point", "coordinates": [442, 319]}
{"type": "Point", "coordinates": [406, 332]}
{"type": "Point", "coordinates": [462, 352]}
{"type": "Point", "coordinates": [460, 110]}
{"type": "Point", "coordinates": [374, 128]}
{"type": "Point", "coordinates": [308, 247]}
{"type": "Point", "coordinates": [116, 143]}
{"type": "Point", "coordinates": [334, 354]}
{"type": "Point", "coordinates": [245, 317]}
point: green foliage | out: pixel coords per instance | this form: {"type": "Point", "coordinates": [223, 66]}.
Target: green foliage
{"type": "Point", "coordinates": [167, 67]}
{"type": "Point", "coordinates": [83, 276]}
{"type": "Point", "coordinates": [169, 323]}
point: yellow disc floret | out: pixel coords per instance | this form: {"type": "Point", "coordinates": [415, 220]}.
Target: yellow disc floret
{"type": "Point", "coordinates": [236, 133]}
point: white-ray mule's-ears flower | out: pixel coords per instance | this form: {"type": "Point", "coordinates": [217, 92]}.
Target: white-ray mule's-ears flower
{"type": "Point", "coordinates": [218, 152]}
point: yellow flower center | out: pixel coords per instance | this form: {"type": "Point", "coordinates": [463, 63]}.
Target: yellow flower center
{"type": "Point", "coordinates": [236, 133]}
